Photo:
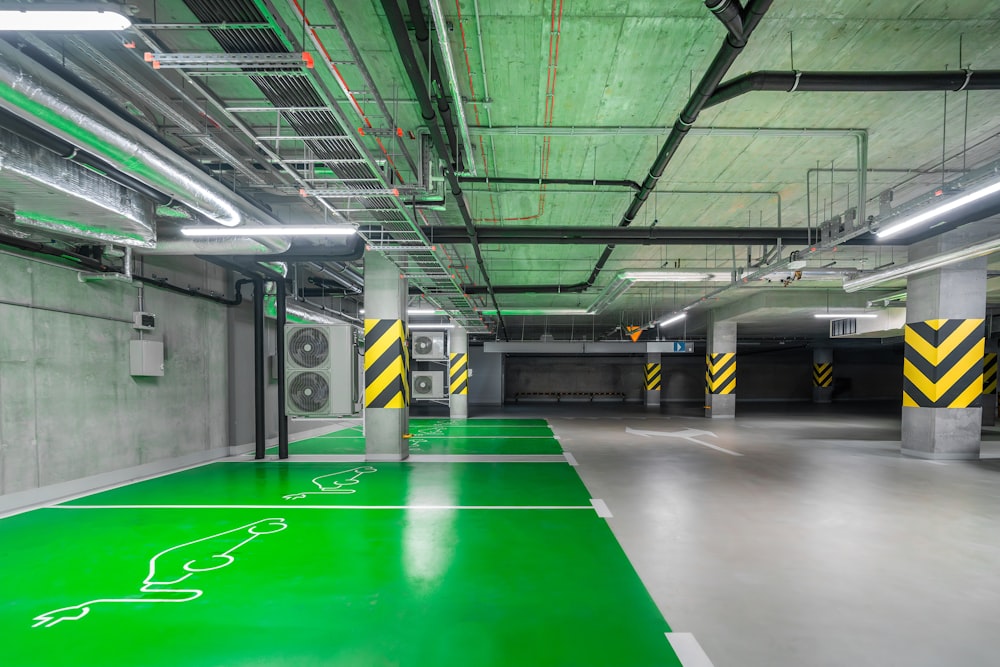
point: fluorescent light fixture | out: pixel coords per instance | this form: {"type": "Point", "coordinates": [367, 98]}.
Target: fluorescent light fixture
{"type": "Point", "coordinates": [65, 17]}
{"type": "Point", "coordinates": [275, 230]}
{"type": "Point", "coordinates": [432, 326]}
{"type": "Point", "coordinates": [922, 265]}
{"type": "Point", "coordinates": [844, 316]}
{"type": "Point", "coordinates": [676, 318]}
{"type": "Point", "coordinates": [936, 212]}
{"type": "Point", "coordinates": [677, 276]}
{"type": "Point", "coordinates": [421, 311]}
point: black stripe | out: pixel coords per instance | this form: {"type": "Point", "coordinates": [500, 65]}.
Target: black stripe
{"type": "Point", "coordinates": [461, 387]}
{"type": "Point", "coordinates": [960, 385]}
{"type": "Point", "coordinates": [389, 393]}
{"type": "Point", "coordinates": [459, 368]}
{"type": "Point", "coordinates": [919, 397]}
{"type": "Point", "coordinates": [380, 329]}
{"type": "Point", "coordinates": [925, 331]}
{"type": "Point", "coordinates": [722, 371]}
{"type": "Point", "coordinates": [388, 357]}
{"type": "Point", "coordinates": [963, 348]}
{"type": "Point", "coordinates": [923, 365]}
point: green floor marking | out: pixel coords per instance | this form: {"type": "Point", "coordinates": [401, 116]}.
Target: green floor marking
{"type": "Point", "coordinates": [431, 445]}
{"type": "Point", "coordinates": [394, 587]}
{"type": "Point", "coordinates": [520, 484]}
{"type": "Point", "coordinates": [478, 422]}
{"type": "Point", "coordinates": [481, 431]}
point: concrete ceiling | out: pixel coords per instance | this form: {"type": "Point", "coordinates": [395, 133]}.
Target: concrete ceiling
{"type": "Point", "coordinates": [588, 89]}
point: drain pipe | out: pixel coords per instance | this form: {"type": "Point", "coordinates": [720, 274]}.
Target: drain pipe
{"type": "Point", "coordinates": [855, 82]}
{"type": "Point", "coordinates": [279, 357]}
{"type": "Point", "coordinates": [724, 59]}
{"type": "Point", "coordinates": [730, 13]}
{"type": "Point", "coordinates": [413, 70]}
{"type": "Point", "coordinates": [258, 368]}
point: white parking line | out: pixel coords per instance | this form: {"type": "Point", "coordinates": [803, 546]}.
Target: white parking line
{"type": "Point", "coordinates": [601, 508]}
{"type": "Point", "coordinates": [329, 507]}
{"type": "Point", "coordinates": [688, 650]}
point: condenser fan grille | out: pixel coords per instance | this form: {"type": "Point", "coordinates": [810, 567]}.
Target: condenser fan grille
{"type": "Point", "coordinates": [423, 385]}
{"type": "Point", "coordinates": [308, 348]}
{"type": "Point", "coordinates": [309, 392]}
{"type": "Point", "coordinates": [423, 344]}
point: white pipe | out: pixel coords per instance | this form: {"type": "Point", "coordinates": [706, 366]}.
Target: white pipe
{"type": "Point", "coordinates": [923, 265]}
{"type": "Point", "coordinates": [463, 125]}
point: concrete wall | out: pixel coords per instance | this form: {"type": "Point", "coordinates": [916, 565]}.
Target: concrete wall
{"type": "Point", "coordinates": [780, 374]}
{"type": "Point", "coordinates": [69, 409]}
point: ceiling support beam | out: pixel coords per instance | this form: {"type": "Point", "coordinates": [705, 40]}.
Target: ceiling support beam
{"type": "Point", "coordinates": [412, 65]}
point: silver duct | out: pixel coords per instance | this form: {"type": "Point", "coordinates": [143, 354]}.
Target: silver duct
{"type": "Point", "coordinates": [208, 246]}
{"type": "Point", "coordinates": [36, 95]}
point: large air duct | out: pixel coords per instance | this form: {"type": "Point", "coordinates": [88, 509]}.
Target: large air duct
{"type": "Point", "coordinates": [36, 95]}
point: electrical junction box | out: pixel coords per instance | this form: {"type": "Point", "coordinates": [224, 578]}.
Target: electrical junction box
{"type": "Point", "coordinates": [146, 358]}
{"type": "Point", "coordinates": [143, 321]}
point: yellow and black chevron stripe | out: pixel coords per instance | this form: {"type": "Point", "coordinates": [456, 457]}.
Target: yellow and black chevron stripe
{"type": "Point", "coordinates": [720, 376]}
{"type": "Point", "coordinates": [990, 373]}
{"type": "Point", "coordinates": [822, 375]}
{"type": "Point", "coordinates": [943, 364]}
{"type": "Point", "coordinates": [652, 376]}
{"type": "Point", "coordinates": [387, 364]}
{"type": "Point", "coordinates": [459, 373]}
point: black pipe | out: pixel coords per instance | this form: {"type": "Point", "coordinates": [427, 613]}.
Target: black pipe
{"type": "Point", "coordinates": [279, 353]}
{"type": "Point", "coordinates": [629, 236]}
{"type": "Point", "coordinates": [594, 182]}
{"type": "Point", "coordinates": [724, 59]}
{"type": "Point", "coordinates": [412, 66]}
{"type": "Point", "coordinates": [730, 13]}
{"type": "Point", "coordinates": [258, 368]}
{"type": "Point", "coordinates": [575, 288]}
{"type": "Point", "coordinates": [851, 82]}
{"type": "Point", "coordinates": [430, 53]}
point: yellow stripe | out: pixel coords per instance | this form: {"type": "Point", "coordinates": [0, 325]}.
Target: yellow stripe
{"type": "Point", "coordinates": [729, 389]}
{"type": "Point", "coordinates": [385, 378]}
{"type": "Point", "coordinates": [719, 381]}
{"type": "Point", "coordinates": [967, 397]}
{"type": "Point", "coordinates": [964, 330]}
{"type": "Point", "coordinates": [457, 382]}
{"type": "Point", "coordinates": [374, 349]}
{"type": "Point", "coordinates": [920, 345]}
{"type": "Point", "coordinates": [909, 402]}
{"type": "Point", "coordinates": [922, 382]}
{"type": "Point", "coordinates": [935, 324]}
{"type": "Point", "coordinates": [971, 358]}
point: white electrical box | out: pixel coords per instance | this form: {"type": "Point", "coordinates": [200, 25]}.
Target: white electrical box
{"type": "Point", "coordinates": [143, 321]}
{"type": "Point", "coordinates": [146, 358]}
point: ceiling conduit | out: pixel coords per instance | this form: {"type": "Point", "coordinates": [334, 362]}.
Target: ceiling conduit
{"type": "Point", "coordinates": [855, 82]}
{"type": "Point", "coordinates": [595, 182]}
{"type": "Point", "coordinates": [35, 95]}
{"type": "Point", "coordinates": [631, 236]}
{"type": "Point", "coordinates": [736, 40]}
{"type": "Point", "coordinates": [413, 70]}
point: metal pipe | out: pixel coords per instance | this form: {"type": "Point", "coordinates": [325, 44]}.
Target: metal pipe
{"type": "Point", "coordinates": [279, 356]}
{"type": "Point", "coordinates": [413, 69]}
{"type": "Point", "coordinates": [449, 67]}
{"type": "Point", "coordinates": [855, 82]}
{"type": "Point", "coordinates": [623, 183]}
{"type": "Point", "coordinates": [730, 13]}
{"type": "Point", "coordinates": [258, 368]}
{"type": "Point", "coordinates": [923, 265]}
{"type": "Point", "coordinates": [629, 236]}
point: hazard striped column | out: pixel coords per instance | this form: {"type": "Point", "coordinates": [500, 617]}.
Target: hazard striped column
{"type": "Point", "coordinates": [652, 379]}
{"type": "Point", "coordinates": [458, 373]}
{"type": "Point", "coordinates": [822, 375]}
{"type": "Point", "coordinates": [720, 370]}
{"type": "Point", "coordinates": [386, 361]}
{"type": "Point", "coordinates": [990, 383]}
{"type": "Point", "coordinates": [943, 364]}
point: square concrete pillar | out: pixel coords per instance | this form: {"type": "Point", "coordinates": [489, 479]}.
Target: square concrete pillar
{"type": "Point", "coordinates": [720, 372]}
{"type": "Point", "coordinates": [944, 354]}
{"type": "Point", "coordinates": [822, 372]}
{"type": "Point", "coordinates": [458, 373]}
{"type": "Point", "coordinates": [652, 379]}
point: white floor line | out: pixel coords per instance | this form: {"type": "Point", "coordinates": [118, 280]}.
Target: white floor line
{"type": "Point", "coordinates": [413, 458]}
{"type": "Point", "coordinates": [601, 508]}
{"type": "Point", "coordinates": [688, 650]}
{"type": "Point", "coordinates": [570, 459]}
{"type": "Point", "coordinates": [290, 505]}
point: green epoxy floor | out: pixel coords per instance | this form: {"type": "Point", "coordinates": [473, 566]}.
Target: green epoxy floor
{"type": "Point", "coordinates": [416, 564]}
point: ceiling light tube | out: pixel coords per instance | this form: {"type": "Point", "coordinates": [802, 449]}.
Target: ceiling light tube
{"type": "Point", "coordinates": [934, 214]}
{"type": "Point", "coordinates": [676, 318]}
{"type": "Point", "coordinates": [274, 230]}
{"type": "Point", "coordinates": [432, 326]}
{"type": "Point", "coordinates": [844, 316]}
{"type": "Point", "coordinates": [923, 265]}
{"type": "Point", "coordinates": [65, 17]}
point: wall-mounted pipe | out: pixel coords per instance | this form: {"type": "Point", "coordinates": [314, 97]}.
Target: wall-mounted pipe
{"type": "Point", "coordinates": [279, 356]}
{"type": "Point", "coordinates": [855, 82]}
{"type": "Point", "coordinates": [259, 379]}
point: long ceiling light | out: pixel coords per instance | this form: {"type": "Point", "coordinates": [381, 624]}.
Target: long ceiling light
{"type": "Point", "coordinates": [671, 320]}
{"type": "Point", "coordinates": [274, 230]}
{"type": "Point", "coordinates": [65, 17]}
{"type": "Point", "coordinates": [431, 326]}
{"type": "Point", "coordinates": [935, 213]}
{"type": "Point", "coordinates": [923, 265]}
{"type": "Point", "coordinates": [677, 276]}
{"type": "Point", "coordinates": [844, 316]}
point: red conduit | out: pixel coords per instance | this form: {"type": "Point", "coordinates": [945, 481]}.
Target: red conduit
{"type": "Point", "coordinates": [343, 86]}
{"type": "Point", "coordinates": [550, 102]}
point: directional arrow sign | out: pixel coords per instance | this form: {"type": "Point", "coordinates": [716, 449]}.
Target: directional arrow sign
{"type": "Point", "coordinates": [689, 434]}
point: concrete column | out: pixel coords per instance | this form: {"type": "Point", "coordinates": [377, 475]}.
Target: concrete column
{"type": "Point", "coordinates": [387, 362]}
{"type": "Point", "coordinates": [720, 373]}
{"type": "Point", "coordinates": [458, 373]}
{"type": "Point", "coordinates": [942, 372]}
{"type": "Point", "coordinates": [822, 376]}
{"type": "Point", "coordinates": [990, 383]}
{"type": "Point", "coordinates": [652, 379]}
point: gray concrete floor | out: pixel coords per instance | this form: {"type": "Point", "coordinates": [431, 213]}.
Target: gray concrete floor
{"type": "Point", "coordinates": [819, 546]}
